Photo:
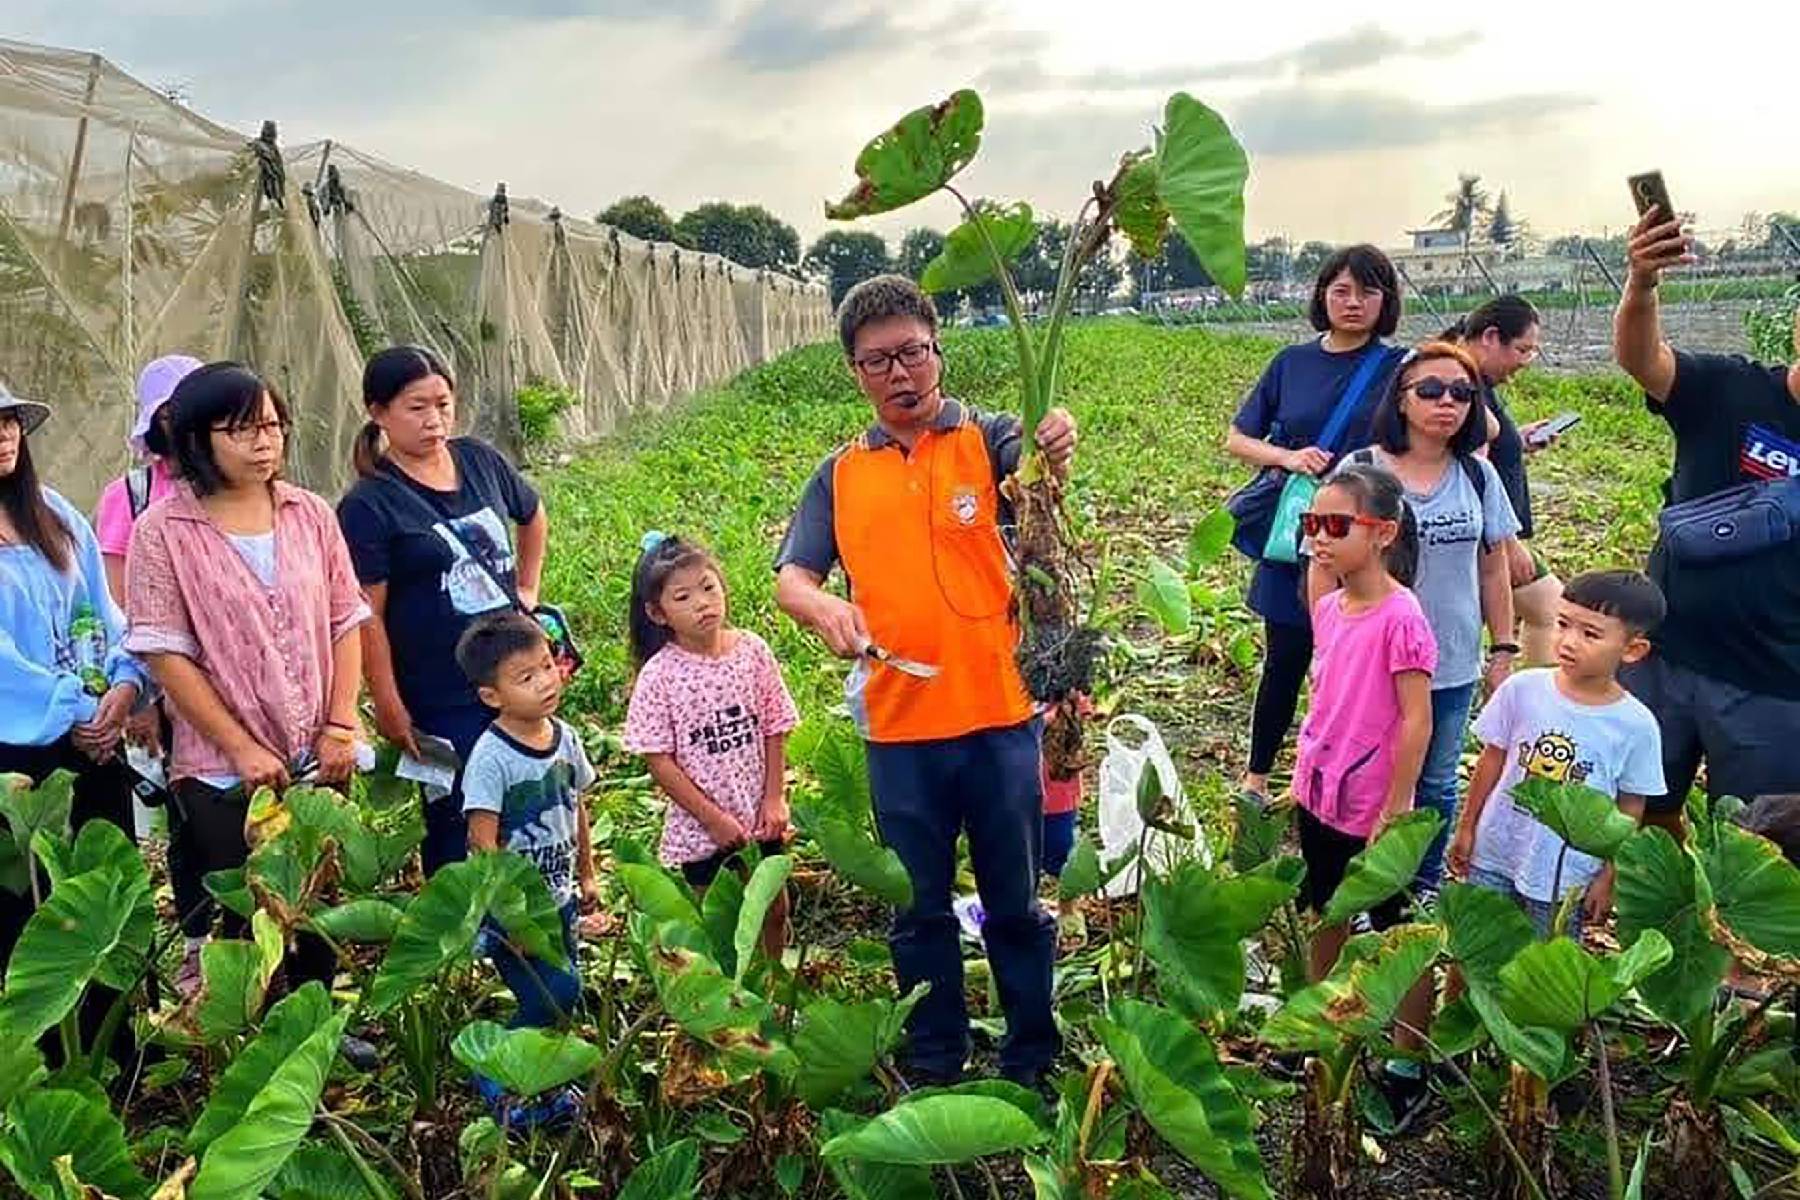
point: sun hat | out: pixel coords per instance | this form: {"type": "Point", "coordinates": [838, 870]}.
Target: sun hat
{"type": "Point", "coordinates": [155, 384]}
{"type": "Point", "coordinates": [31, 413]}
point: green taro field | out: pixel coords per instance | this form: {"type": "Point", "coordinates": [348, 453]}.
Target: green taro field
{"type": "Point", "coordinates": [1612, 1069]}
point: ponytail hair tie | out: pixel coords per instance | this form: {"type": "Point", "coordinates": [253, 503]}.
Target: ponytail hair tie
{"type": "Point", "coordinates": [651, 540]}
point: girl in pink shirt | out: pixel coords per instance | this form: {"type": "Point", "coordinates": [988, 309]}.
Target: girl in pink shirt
{"type": "Point", "coordinates": [710, 714]}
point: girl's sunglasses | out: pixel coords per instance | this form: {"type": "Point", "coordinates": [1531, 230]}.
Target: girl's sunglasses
{"type": "Point", "coordinates": [1433, 388]}
{"type": "Point", "coordinates": [1336, 525]}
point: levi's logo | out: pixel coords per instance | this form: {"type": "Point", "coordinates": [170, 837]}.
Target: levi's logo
{"type": "Point", "coordinates": [1766, 454]}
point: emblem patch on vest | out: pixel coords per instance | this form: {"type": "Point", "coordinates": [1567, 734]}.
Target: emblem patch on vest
{"type": "Point", "coordinates": [964, 505]}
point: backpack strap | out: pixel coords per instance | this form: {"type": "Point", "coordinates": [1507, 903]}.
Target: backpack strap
{"type": "Point", "coordinates": [1471, 467]}
{"type": "Point", "coordinates": [137, 490]}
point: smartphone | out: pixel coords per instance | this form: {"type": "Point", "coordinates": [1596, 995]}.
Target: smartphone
{"type": "Point", "coordinates": [1552, 429]}
{"type": "Point", "coordinates": [1648, 191]}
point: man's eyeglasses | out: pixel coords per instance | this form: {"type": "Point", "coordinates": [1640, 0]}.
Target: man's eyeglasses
{"type": "Point", "coordinates": [1336, 525]}
{"type": "Point", "coordinates": [247, 434]}
{"type": "Point", "coordinates": [1433, 388]}
{"type": "Point", "coordinates": [880, 362]}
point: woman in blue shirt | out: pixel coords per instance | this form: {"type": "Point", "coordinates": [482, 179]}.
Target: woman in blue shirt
{"type": "Point", "coordinates": [1355, 304]}
{"type": "Point", "coordinates": [66, 686]}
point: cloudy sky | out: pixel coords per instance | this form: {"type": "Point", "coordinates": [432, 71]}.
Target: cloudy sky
{"type": "Point", "coordinates": [1357, 121]}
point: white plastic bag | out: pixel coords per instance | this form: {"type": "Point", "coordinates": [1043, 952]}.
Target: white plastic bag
{"type": "Point", "coordinates": [1120, 825]}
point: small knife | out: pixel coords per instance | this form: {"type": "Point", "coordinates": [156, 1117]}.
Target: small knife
{"type": "Point", "coordinates": [917, 670]}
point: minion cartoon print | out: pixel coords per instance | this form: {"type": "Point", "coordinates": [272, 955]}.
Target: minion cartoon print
{"type": "Point", "coordinates": [1554, 756]}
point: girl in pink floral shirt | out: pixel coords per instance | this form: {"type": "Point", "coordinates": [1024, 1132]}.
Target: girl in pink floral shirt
{"type": "Point", "coordinates": [710, 714]}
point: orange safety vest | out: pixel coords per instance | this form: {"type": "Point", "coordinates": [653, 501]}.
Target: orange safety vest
{"type": "Point", "coordinates": [919, 538]}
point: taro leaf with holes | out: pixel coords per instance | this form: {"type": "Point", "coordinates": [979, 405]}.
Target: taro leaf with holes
{"type": "Point", "coordinates": [671, 1171]}
{"type": "Point", "coordinates": [526, 1062]}
{"type": "Point", "coordinates": [1558, 985]}
{"type": "Point", "coordinates": [1195, 924]}
{"type": "Point", "coordinates": [1163, 593]}
{"type": "Point", "coordinates": [862, 1180]}
{"type": "Point", "coordinates": [368, 921]}
{"type": "Point", "coordinates": [1384, 868]}
{"type": "Point", "coordinates": [1174, 1077]}
{"type": "Point", "coordinates": [1485, 930]}
{"type": "Point", "coordinates": [1755, 892]}
{"type": "Point", "coordinates": [1209, 539]}
{"type": "Point", "coordinates": [1655, 888]}
{"type": "Point", "coordinates": [235, 978]}
{"type": "Point", "coordinates": [965, 261]}
{"type": "Point", "coordinates": [264, 1104]}
{"type": "Point", "coordinates": [1201, 171]}
{"type": "Point", "coordinates": [922, 152]}
{"type": "Point", "coordinates": [940, 1129]}
{"type": "Point", "coordinates": [760, 894]}
{"type": "Point", "coordinates": [1588, 820]}
{"type": "Point", "coordinates": [1361, 995]}
{"type": "Point", "coordinates": [860, 859]}
{"type": "Point", "coordinates": [1140, 212]}
{"type": "Point", "coordinates": [65, 944]}
{"type": "Point", "coordinates": [54, 1123]}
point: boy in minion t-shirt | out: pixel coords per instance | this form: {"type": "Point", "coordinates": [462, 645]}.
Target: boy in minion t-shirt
{"type": "Point", "coordinates": [1570, 724]}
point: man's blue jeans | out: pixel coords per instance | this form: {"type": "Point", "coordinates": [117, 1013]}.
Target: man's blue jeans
{"type": "Point", "coordinates": [925, 794]}
{"type": "Point", "coordinates": [1437, 779]}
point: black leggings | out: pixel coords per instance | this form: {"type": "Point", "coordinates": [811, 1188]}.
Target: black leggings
{"type": "Point", "coordinates": [1285, 661]}
{"type": "Point", "coordinates": [102, 793]}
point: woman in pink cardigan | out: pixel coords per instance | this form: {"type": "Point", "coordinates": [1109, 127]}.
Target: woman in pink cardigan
{"type": "Point", "coordinates": [243, 605]}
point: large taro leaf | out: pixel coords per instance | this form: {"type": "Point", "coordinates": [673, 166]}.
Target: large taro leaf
{"type": "Point", "coordinates": [839, 1043]}
{"type": "Point", "coordinates": [945, 1128]}
{"type": "Point", "coordinates": [655, 892]}
{"type": "Point", "coordinates": [438, 928]}
{"type": "Point", "coordinates": [235, 977]}
{"type": "Point", "coordinates": [1139, 211]}
{"type": "Point", "coordinates": [760, 894]}
{"type": "Point", "coordinates": [329, 815]}
{"type": "Point", "coordinates": [1259, 831]}
{"type": "Point", "coordinates": [101, 844]}
{"type": "Point", "coordinates": [21, 1067]}
{"type": "Point", "coordinates": [1163, 593]}
{"type": "Point", "coordinates": [922, 152]}
{"type": "Point", "coordinates": [1175, 1080]}
{"type": "Point", "coordinates": [30, 810]}
{"type": "Point", "coordinates": [368, 921]}
{"type": "Point", "coordinates": [1589, 820]}
{"type": "Point", "coordinates": [859, 858]}
{"type": "Point", "coordinates": [1201, 170]}
{"type": "Point", "coordinates": [1485, 931]}
{"type": "Point", "coordinates": [1209, 539]}
{"type": "Point", "coordinates": [834, 752]}
{"type": "Point", "coordinates": [319, 1172]}
{"type": "Point", "coordinates": [1655, 888]}
{"type": "Point", "coordinates": [967, 261]}
{"type": "Point", "coordinates": [671, 1171]}
{"type": "Point", "coordinates": [863, 1180]}
{"type": "Point", "coordinates": [1361, 995]}
{"type": "Point", "coordinates": [1194, 927]}
{"type": "Point", "coordinates": [719, 909]}
{"type": "Point", "coordinates": [65, 944]}
{"type": "Point", "coordinates": [526, 1062]}
{"type": "Point", "coordinates": [1383, 869]}
{"type": "Point", "coordinates": [1560, 986]}
{"type": "Point", "coordinates": [274, 1089]}
{"type": "Point", "coordinates": [1753, 894]}
{"type": "Point", "coordinates": [55, 1123]}
{"type": "Point", "coordinates": [704, 1001]}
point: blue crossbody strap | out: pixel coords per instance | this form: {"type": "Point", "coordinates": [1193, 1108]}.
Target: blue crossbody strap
{"type": "Point", "coordinates": [1352, 397]}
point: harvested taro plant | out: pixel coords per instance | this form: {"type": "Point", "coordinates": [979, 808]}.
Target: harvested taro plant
{"type": "Point", "coordinates": [1191, 180]}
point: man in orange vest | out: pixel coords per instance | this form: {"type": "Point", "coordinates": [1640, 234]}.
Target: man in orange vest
{"type": "Point", "coordinates": [912, 510]}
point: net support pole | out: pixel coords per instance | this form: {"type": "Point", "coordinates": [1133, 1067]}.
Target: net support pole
{"type": "Point", "coordinates": [75, 159]}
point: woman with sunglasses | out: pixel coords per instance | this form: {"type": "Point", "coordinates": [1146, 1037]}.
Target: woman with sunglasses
{"type": "Point", "coordinates": [1279, 429]}
{"type": "Point", "coordinates": [245, 607]}
{"type": "Point", "coordinates": [1427, 430]}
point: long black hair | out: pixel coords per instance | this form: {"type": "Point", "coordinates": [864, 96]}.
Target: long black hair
{"type": "Point", "coordinates": [1380, 494]}
{"type": "Point", "coordinates": [37, 524]}
{"type": "Point", "coordinates": [663, 554]}
{"type": "Point", "coordinates": [220, 393]}
{"type": "Point", "coordinates": [1508, 315]}
{"type": "Point", "coordinates": [387, 374]}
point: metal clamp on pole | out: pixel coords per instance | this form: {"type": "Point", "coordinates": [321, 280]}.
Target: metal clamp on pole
{"type": "Point", "coordinates": [499, 211]}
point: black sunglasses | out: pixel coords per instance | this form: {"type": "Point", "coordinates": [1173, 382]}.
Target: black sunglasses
{"type": "Point", "coordinates": [1433, 388]}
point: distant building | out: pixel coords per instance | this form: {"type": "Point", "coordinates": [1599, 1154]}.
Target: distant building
{"type": "Point", "coordinates": [1439, 261]}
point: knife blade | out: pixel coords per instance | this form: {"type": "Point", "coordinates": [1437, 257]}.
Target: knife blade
{"type": "Point", "coordinates": [917, 670]}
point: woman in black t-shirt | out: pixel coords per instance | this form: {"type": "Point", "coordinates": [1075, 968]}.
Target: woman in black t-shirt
{"type": "Point", "coordinates": [429, 524]}
{"type": "Point", "coordinates": [1502, 337]}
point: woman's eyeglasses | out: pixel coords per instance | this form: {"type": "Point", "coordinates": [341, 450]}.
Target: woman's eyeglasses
{"type": "Point", "coordinates": [880, 362]}
{"type": "Point", "coordinates": [1336, 525]}
{"type": "Point", "coordinates": [248, 433]}
{"type": "Point", "coordinates": [1432, 388]}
